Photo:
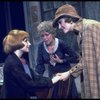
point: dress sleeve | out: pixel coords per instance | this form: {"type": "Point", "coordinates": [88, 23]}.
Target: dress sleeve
{"type": "Point", "coordinates": [29, 84]}
{"type": "Point", "coordinates": [40, 67]}
{"type": "Point", "coordinates": [71, 55]}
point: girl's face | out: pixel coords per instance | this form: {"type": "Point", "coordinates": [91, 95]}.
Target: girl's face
{"type": "Point", "coordinates": [26, 45]}
{"type": "Point", "coordinates": [47, 38]}
{"type": "Point", "coordinates": [65, 25]}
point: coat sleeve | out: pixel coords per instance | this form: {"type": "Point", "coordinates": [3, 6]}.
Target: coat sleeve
{"type": "Point", "coordinates": [16, 74]}
{"type": "Point", "coordinates": [76, 70]}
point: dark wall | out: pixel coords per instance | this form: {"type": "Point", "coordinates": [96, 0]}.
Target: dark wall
{"type": "Point", "coordinates": [3, 30]}
{"type": "Point", "coordinates": [11, 17]}
{"type": "Point", "coordinates": [17, 15]}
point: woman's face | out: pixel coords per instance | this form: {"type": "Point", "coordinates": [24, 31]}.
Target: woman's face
{"type": "Point", "coordinates": [47, 38]}
{"type": "Point", "coordinates": [26, 45]}
{"type": "Point", "coordinates": [64, 25]}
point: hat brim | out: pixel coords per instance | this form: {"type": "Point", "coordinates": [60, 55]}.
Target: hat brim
{"type": "Point", "coordinates": [55, 21]}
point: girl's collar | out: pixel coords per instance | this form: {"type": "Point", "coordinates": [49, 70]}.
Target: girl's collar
{"type": "Point", "coordinates": [55, 47]}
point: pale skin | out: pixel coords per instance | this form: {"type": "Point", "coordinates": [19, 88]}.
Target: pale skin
{"type": "Point", "coordinates": [24, 49]}
{"type": "Point", "coordinates": [64, 76]}
{"type": "Point", "coordinates": [65, 26]}
{"type": "Point", "coordinates": [19, 52]}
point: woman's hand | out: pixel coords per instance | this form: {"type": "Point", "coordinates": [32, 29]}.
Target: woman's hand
{"type": "Point", "coordinates": [64, 76]}
{"type": "Point", "coordinates": [55, 79]}
{"type": "Point", "coordinates": [55, 58]}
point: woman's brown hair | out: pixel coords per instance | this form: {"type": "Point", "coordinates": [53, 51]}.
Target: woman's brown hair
{"type": "Point", "coordinates": [13, 41]}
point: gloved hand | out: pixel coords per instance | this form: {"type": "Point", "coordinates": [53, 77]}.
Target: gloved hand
{"type": "Point", "coordinates": [55, 79]}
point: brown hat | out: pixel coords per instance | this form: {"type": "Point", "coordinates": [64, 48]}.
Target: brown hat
{"type": "Point", "coordinates": [65, 11]}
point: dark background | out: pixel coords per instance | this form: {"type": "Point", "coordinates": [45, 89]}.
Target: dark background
{"type": "Point", "coordinates": [11, 17]}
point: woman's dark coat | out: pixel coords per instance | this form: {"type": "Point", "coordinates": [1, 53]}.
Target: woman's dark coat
{"type": "Point", "coordinates": [18, 84]}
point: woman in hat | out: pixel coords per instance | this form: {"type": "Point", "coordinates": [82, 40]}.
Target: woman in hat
{"type": "Point", "coordinates": [67, 19]}
{"type": "Point", "coordinates": [19, 82]}
{"type": "Point", "coordinates": [58, 56]}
